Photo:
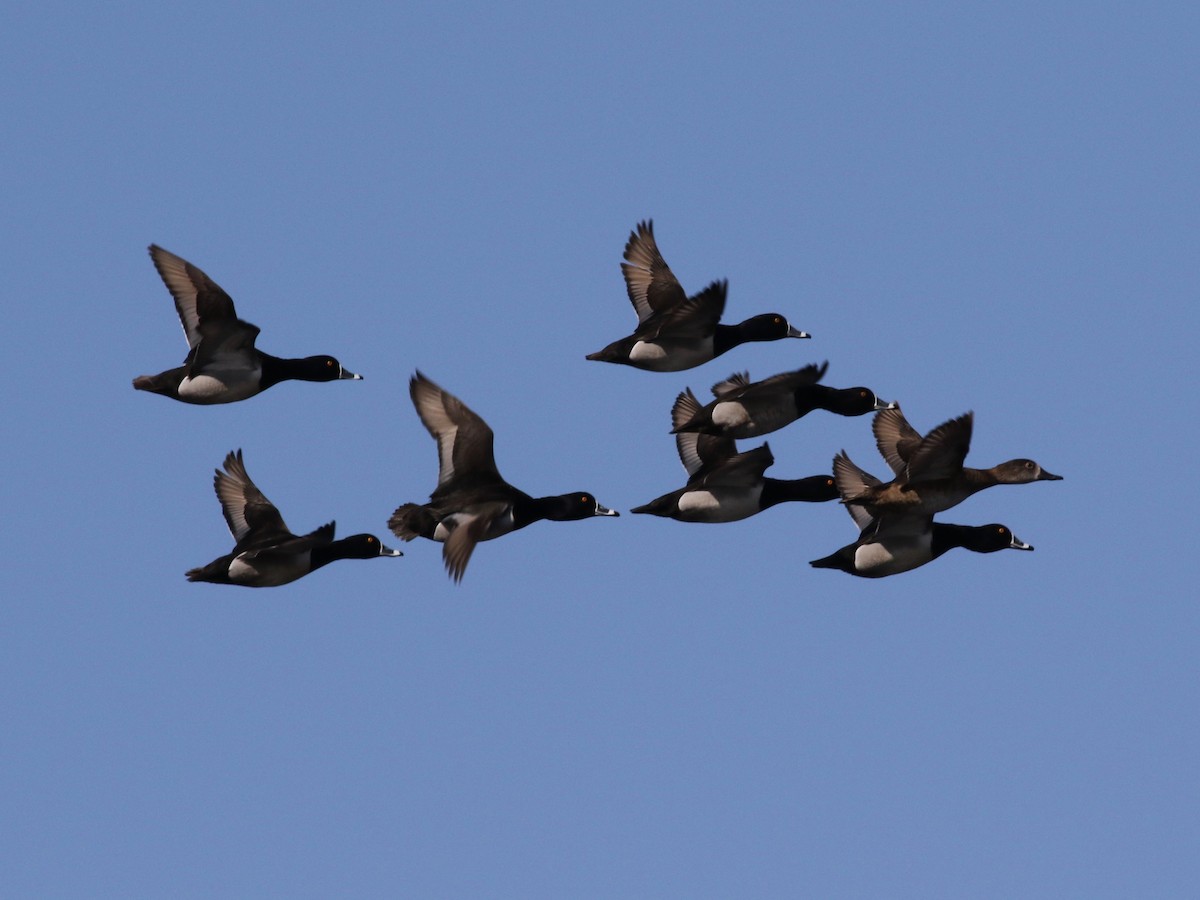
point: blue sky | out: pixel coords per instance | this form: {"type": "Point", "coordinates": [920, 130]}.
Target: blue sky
{"type": "Point", "coordinates": [970, 206]}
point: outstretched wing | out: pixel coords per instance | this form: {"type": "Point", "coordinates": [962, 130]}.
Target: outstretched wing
{"type": "Point", "coordinates": [698, 452]}
{"type": "Point", "coordinates": [942, 453]}
{"type": "Point", "coordinates": [852, 481]}
{"type": "Point", "coordinates": [248, 513]}
{"type": "Point", "coordinates": [651, 285]}
{"type": "Point", "coordinates": [896, 439]}
{"type": "Point", "coordinates": [465, 454]}
{"type": "Point", "coordinates": [197, 297]}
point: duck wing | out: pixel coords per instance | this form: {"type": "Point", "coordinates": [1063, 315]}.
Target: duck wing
{"type": "Point", "coordinates": [896, 439]}
{"type": "Point", "coordinates": [731, 386]}
{"type": "Point", "coordinates": [742, 470]}
{"type": "Point", "coordinates": [698, 452]}
{"type": "Point", "coordinates": [248, 513]}
{"type": "Point", "coordinates": [292, 545]}
{"type": "Point", "coordinates": [197, 297]}
{"type": "Point", "coordinates": [786, 382]}
{"type": "Point", "coordinates": [465, 451]}
{"type": "Point", "coordinates": [942, 452]}
{"type": "Point", "coordinates": [224, 343]}
{"type": "Point", "coordinates": [651, 285]}
{"type": "Point", "coordinates": [696, 317]}
{"type": "Point", "coordinates": [852, 481]}
{"type": "Point", "coordinates": [470, 530]}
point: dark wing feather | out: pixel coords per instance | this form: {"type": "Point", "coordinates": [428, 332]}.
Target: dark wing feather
{"type": "Point", "coordinates": [257, 547]}
{"type": "Point", "coordinates": [788, 381]}
{"type": "Point", "coordinates": [851, 481]}
{"type": "Point", "coordinates": [457, 550]}
{"type": "Point", "coordinates": [736, 382]}
{"type": "Point", "coordinates": [651, 285]}
{"type": "Point", "coordinates": [741, 470]}
{"type": "Point", "coordinates": [247, 512]}
{"type": "Point", "coordinates": [896, 439]}
{"type": "Point", "coordinates": [698, 452]}
{"type": "Point", "coordinates": [696, 317]}
{"type": "Point", "coordinates": [223, 338]}
{"type": "Point", "coordinates": [465, 452]}
{"type": "Point", "coordinates": [197, 297]}
{"type": "Point", "coordinates": [942, 452]}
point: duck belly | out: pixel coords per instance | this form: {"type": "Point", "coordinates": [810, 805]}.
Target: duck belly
{"type": "Point", "coordinates": [735, 419]}
{"type": "Point", "coordinates": [219, 385]}
{"type": "Point", "coordinates": [878, 559]}
{"type": "Point", "coordinates": [719, 505]}
{"type": "Point", "coordinates": [268, 570]}
{"type": "Point", "coordinates": [498, 527]}
{"type": "Point", "coordinates": [668, 357]}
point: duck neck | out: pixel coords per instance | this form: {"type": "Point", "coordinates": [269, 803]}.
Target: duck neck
{"type": "Point", "coordinates": [276, 369]}
{"type": "Point", "coordinates": [947, 537]}
{"type": "Point", "coordinates": [324, 554]}
{"type": "Point", "coordinates": [813, 489]}
{"type": "Point", "coordinates": [978, 479]}
{"type": "Point", "coordinates": [726, 337]}
{"type": "Point", "coordinates": [526, 510]}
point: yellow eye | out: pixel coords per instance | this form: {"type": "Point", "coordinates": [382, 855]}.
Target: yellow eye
{"type": "Point", "coordinates": [370, 540]}
{"type": "Point", "coordinates": [329, 363]}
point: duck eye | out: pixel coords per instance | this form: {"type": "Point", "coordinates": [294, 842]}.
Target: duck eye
{"type": "Point", "coordinates": [370, 540]}
{"type": "Point", "coordinates": [329, 363]}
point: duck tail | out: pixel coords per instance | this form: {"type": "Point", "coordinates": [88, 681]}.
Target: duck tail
{"type": "Point", "coordinates": [151, 383]}
{"type": "Point", "coordinates": [662, 506]}
{"type": "Point", "coordinates": [412, 520]}
{"type": "Point", "coordinates": [215, 572]}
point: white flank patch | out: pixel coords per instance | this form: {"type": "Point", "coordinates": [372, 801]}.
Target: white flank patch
{"type": "Point", "coordinates": [647, 353]}
{"type": "Point", "coordinates": [719, 505]}
{"type": "Point", "coordinates": [730, 414]}
{"type": "Point", "coordinates": [283, 569]}
{"type": "Point", "coordinates": [698, 501]}
{"type": "Point", "coordinates": [893, 555]}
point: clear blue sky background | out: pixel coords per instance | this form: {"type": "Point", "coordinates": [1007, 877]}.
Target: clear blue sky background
{"type": "Point", "coordinates": [970, 205]}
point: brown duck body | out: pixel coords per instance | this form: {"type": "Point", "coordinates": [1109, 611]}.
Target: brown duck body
{"type": "Point", "coordinates": [930, 475]}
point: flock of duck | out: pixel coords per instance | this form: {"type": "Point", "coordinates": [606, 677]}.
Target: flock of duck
{"type": "Point", "coordinates": [472, 502]}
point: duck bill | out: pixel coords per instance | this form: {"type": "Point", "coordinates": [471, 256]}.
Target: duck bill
{"type": "Point", "coordinates": [1017, 544]}
{"type": "Point", "coordinates": [797, 333]}
{"type": "Point", "coordinates": [885, 404]}
{"type": "Point", "coordinates": [347, 375]}
{"type": "Point", "coordinates": [1048, 476]}
{"type": "Point", "coordinates": [605, 511]}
